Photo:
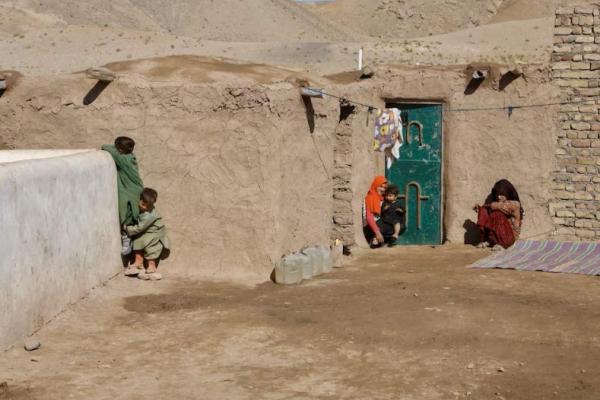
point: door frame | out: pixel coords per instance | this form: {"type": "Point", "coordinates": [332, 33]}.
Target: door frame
{"type": "Point", "coordinates": [390, 101]}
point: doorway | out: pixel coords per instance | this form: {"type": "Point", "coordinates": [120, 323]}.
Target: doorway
{"type": "Point", "coordinates": [418, 173]}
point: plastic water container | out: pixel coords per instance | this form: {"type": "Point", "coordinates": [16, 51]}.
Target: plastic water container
{"type": "Point", "coordinates": [337, 253]}
{"type": "Point", "coordinates": [327, 259]}
{"type": "Point", "coordinates": [317, 256]}
{"type": "Point", "coordinates": [308, 270]}
{"type": "Point", "coordinates": [289, 270]}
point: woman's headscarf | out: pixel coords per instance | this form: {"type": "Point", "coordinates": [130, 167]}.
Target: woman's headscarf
{"type": "Point", "coordinates": [374, 199]}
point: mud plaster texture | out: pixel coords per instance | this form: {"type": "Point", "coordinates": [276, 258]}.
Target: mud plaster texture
{"type": "Point", "coordinates": [480, 147]}
{"type": "Point", "coordinates": [576, 70]}
{"type": "Point", "coordinates": [241, 179]}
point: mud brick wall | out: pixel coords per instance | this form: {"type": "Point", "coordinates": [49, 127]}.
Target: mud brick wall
{"type": "Point", "coordinates": [343, 217]}
{"type": "Point", "coordinates": [242, 177]}
{"type": "Point", "coordinates": [576, 70]}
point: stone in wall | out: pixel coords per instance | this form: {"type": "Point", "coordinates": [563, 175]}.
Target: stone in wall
{"type": "Point", "coordinates": [576, 70]}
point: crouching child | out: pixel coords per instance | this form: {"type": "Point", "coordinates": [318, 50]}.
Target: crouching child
{"type": "Point", "coordinates": [392, 216]}
{"type": "Point", "coordinates": [150, 241]}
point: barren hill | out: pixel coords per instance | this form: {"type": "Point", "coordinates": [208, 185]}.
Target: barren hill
{"type": "Point", "coordinates": [400, 19]}
{"type": "Point", "coordinates": [273, 20]}
{"type": "Point", "coordinates": [222, 20]}
{"type": "Point", "coordinates": [54, 37]}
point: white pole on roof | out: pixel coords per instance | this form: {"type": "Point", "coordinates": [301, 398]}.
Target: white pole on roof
{"type": "Point", "coordinates": [360, 59]}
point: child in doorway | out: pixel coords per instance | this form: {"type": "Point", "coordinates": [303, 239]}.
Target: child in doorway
{"type": "Point", "coordinates": [129, 183]}
{"type": "Point", "coordinates": [150, 241]}
{"type": "Point", "coordinates": [392, 215]}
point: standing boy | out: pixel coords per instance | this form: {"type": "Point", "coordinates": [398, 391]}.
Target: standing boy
{"type": "Point", "coordinates": [129, 183]}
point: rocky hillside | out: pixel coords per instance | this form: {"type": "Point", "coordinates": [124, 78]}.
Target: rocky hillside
{"type": "Point", "coordinates": [400, 19]}
{"type": "Point", "coordinates": [222, 20]}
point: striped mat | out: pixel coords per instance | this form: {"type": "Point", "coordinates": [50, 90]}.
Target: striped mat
{"type": "Point", "coordinates": [548, 256]}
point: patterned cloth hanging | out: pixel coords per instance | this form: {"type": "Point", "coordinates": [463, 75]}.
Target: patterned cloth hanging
{"type": "Point", "coordinates": [388, 133]}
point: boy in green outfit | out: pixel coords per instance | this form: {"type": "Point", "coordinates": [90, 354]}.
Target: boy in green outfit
{"type": "Point", "coordinates": [150, 241]}
{"type": "Point", "coordinates": [129, 183]}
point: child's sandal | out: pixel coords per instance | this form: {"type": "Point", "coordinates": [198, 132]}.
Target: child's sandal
{"type": "Point", "coordinates": [133, 270]}
{"type": "Point", "coordinates": [154, 276]}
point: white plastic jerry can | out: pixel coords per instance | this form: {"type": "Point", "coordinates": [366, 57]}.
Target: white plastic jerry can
{"type": "Point", "coordinates": [316, 261]}
{"type": "Point", "coordinates": [327, 259]}
{"type": "Point", "coordinates": [289, 270]}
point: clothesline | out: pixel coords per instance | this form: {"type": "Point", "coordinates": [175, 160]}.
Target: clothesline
{"type": "Point", "coordinates": [347, 100]}
{"type": "Point", "coordinates": [509, 108]}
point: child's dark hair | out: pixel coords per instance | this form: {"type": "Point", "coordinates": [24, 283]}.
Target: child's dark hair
{"type": "Point", "coordinates": [505, 188]}
{"type": "Point", "coordinates": [392, 189]}
{"type": "Point", "coordinates": [149, 196]}
{"type": "Point", "coordinates": [124, 144]}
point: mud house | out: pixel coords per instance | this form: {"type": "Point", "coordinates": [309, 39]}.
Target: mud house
{"type": "Point", "coordinates": [241, 179]}
{"type": "Point", "coordinates": [247, 171]}
{"type": "Point", "coordinates": [460, 137]}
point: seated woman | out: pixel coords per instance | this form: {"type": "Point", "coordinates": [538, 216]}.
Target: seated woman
{"type": "Point", "coordinates": [372, 212]}
{"type": "Point", "coordinates": [500, 218]}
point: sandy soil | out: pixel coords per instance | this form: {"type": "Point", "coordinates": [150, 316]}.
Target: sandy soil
{"type": "Point", "coordinates": [397, 323]}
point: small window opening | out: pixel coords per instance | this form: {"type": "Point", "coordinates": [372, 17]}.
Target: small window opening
{"type": "Point", "coordinates": [345, 111]}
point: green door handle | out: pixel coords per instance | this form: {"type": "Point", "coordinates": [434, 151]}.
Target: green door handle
{"type": "Point", "coordinates": [420, 198]}
{"type": "Point", "coordinates": [420, 132]}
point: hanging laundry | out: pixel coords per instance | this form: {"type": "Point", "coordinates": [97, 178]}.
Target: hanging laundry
{"type": "Point", "coordinates": [388, 133]}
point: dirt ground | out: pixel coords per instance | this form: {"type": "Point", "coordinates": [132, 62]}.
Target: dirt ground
{"type": "Point", "coordinates": [403, 323]}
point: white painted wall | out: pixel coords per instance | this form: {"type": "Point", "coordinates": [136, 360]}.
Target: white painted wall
{"type": "Point", "coordinates": [7, 156]}
{"type": "Point", "coordinates": [59, 234]}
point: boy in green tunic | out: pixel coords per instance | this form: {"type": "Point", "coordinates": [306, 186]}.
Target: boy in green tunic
{"type": "Point", "coordinates": [150, 241]}
{"type": "Point", "coordinates": [129, 183]}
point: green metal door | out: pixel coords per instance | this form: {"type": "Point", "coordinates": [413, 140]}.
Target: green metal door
{"type": "Point", "coordinates": [418, 173]}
